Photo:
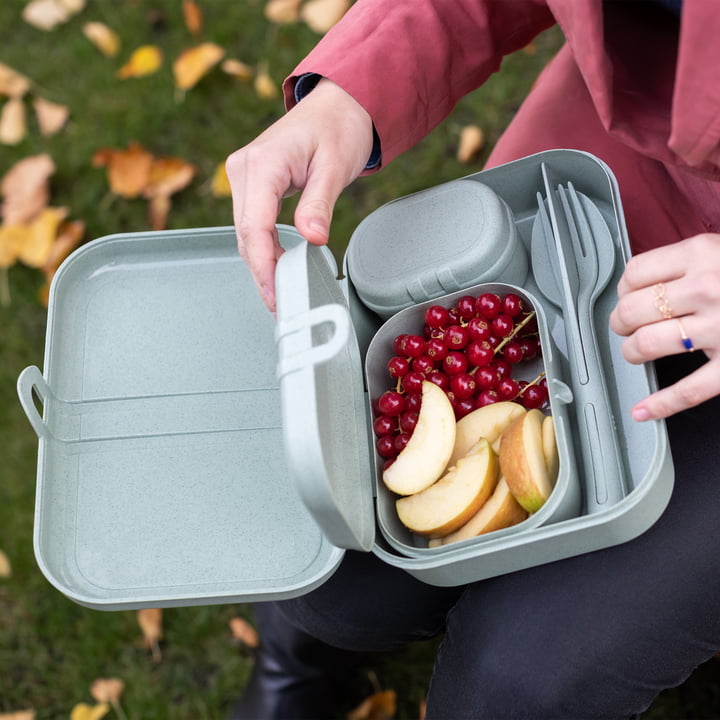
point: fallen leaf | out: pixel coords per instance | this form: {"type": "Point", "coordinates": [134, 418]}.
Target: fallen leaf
{"type": "Point", "coordinates": [150, 621]}
{"type": "Point", "coordinates": [423, 709]}
{"type": "Point", "coordinates": [379, 706]}
{"type": "Point", "coordinates": [128, 171]}
{"type": "Point", "coordinates": [237, 69]}
{"type": "Point", "coordinates": [167, 176]}
{"type": "Point", "coordinates": [321, 15]}
{"type": "Point", "coordinates": [192, 64]}
{"type": "Point", "coordinates": [282, 11]}
{"type": "Point", "coordinates": [5, 569]}
{"type": "Point", "coordinates": [193, 16]}
{"type": "Point", "coordinates": [19, 715]}
{"type": "Point", "coordinates": [265, 86]}
{"type": "Point", "coordinates": [38, 237]}
{"type": "Point", "coordinates": [143, 61]}
{"type": "Point", "coordinates": [83, 711]}
{"type": "Point", "coordinates": [72, 6]}
{"type": "Point", "coordinates": [69, 235]}
{"type": "Point", "coordinates": [45, 14]}
{"type": "Point", "coordinates": [244, 632]}
{"type": "Point", "coordinates": [51, 116]}
{"type": "Point", "coordinates": [13, 125]}
{"type": "Point", "coordinates": [220, 185]}
{"type": "Point", "coordinates": [104, 38]}
{"type": "Point", "coordinates": [13, 83]}
{"type": "Point", "coordinates": [471, 142]}
{"type": "Point", "coordinates": [25, 188]}
{"type": "Point", "coordinates": [11, 237]}
{"type": "Point", "coordinates": [530, 49]}
{"type": "Point", "coordinates": [108, 690]}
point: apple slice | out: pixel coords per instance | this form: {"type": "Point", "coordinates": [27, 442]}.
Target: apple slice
{"type": "Point", "coordinates": [423, 460]}
{"type": "Point", "coordinates": [550, 448]}
{"type": "Point", "coordinates": [500, 511]}
{"type": "Point", "coordinates": [455, 497]}
{"type": "Point", "coordinates": [489, 422]}
{"type": "Point", "coordinates": [522, 461]}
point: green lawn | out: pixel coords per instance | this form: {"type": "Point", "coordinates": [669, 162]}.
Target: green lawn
{"type": "Point", "coordinates": [51, 649]}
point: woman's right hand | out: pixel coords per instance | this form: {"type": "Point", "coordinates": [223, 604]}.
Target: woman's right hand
{"type": "Point", "coordinates": [320, 146]}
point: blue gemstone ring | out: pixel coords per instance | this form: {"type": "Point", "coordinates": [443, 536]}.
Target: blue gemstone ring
{"type": "Point", "coordinates": [686, 341]}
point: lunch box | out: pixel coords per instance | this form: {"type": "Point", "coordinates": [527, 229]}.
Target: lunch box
{"type": "Point", "coordinates": [193, 449]}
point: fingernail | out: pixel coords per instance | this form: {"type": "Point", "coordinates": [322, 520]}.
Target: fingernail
{"type": "Point", "coordinates": [318, 226]}
{"type": "Point", "coordinates": [640, 414]}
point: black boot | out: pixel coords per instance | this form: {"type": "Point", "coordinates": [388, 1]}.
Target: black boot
{"type": "Point", "coordinates": [295, 676]}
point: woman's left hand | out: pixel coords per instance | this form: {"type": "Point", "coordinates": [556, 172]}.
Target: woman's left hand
{"type": "Point", "coordinates": [669, 303]}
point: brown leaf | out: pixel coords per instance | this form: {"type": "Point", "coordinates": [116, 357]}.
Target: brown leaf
{"type": "Point", "coordinates": [18, 715]}
{"type": "Point", "coordinates": [265, 86]}
{"type": "Point", "coordinates": [144, 60]}
{"type": "Point", "coordinates": [193, 64]}
{"type": "Point", "coordinates": [68, 238]}
{"type": "Point", "coordinates": [25, 188]}
{"type": "Point", "coordinates": [13, 126]}
{"type": "Point", "coordinates": [471, 143]}
{"type": "Point", "coordinates": [50, 116]}
{"type": "Point", "coordinates": [193, 16]}
{"type": "Point", "coordinates": [150, 621]}
{"type": "Point", "coordinates": [282, 11]}
{"type": "Point", "coordinates": [240, 70]}
{"type": "Point", "coordinates": [379, 706]}
{"type": "Point", "coordinates": [321, 15]}
{"type": "Point", "coordinates": [13, 83]}
{"type": "Point", "coordinates": [128, 171]}
{"type": "Point", "coordinates": [168, 175]}
{"type": "Point", "coordinates": [5, 568]}
{"type": "Point", "coordinates": [108, 690]}
{"type": "Point", "coordinates": [45, 14]}
{"type": "Point", "coordinates": [244, 632]}
{"type": "Point", "coordinates": [423, 709]}
{"type": "Point", "coordinates": [104, 38]}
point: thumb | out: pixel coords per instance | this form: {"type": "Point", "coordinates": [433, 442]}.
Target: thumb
{"type": "Point", "coordinates": [314, 210]}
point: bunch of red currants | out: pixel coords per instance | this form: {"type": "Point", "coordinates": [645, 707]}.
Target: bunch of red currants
{"type": "Point", "coordinates": [469, 350]}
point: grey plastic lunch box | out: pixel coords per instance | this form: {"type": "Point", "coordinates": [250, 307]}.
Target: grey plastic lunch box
{"type": "Point", "coordinates": [194, 450]}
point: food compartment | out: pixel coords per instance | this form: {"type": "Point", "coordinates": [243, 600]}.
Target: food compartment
{"type": "Point", "coordinates": [564, 500]}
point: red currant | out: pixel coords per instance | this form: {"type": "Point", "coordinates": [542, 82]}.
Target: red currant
{"type": "Point", "coordinates": [486, 397]}
{"type": "Point", "coordinates": [439, 378]}
{"type": "Point", "coordinates": [384, 425]}
{"type": "Point", "coordinates": [408, 421]}
{"type": "Point", "coordinates": [391, 403]}
{"type": "Point", "coordinates": [414, 345]}
{"type": "Point", "coordinates": [513, 352]}
{"type": "Point", "coordinates": [502, 325]}
{"type": "Point", "coordinates": [478, 329]}
{"type": "Point", "coordinates": [386, 446]}
{"type": "Point", "coordinates": [436, 349]}
{"type": "Point", "coordinates": [486, 377]}
{"type": "Point", "coordinates": [507, 389]}
{"type": "Point", "coordinates": [480, 353]}
{"type": "Point", "coordinates": [488, 305]}
{"type": "Point", "coordinates": [436, 316]}
{"type": "Point", "coordinates": [463, 407]}
{"type": "Point", "coordinates": [398, 366]}
{"type": "Point", "coordinates": [466, 307]}
{"type": "Point", "coordinates": [412, 382]}
{"type": "Point", "coordinates": [455, 362]}
{"type": "Point", "coordinates": [512, 305]}
{"type": "Point", "coordinates": [401, 441]}
{"type": "Point", "coordinates": [456, 337]}
{"type": "Point", "coordinates": [413, 402]}
{"type": "Point", "coordinates": [399, 344]}
{"type": "Point", "coordinates": [534, 396]}
{"type": "Point", "coordinates": [463, 385]}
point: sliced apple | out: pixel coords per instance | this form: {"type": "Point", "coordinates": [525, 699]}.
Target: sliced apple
{"type": "Point", "coordinates": [500, 511]}
{"type": "Point", "coordinates": [489, 422]}
{"type": "Point", "coordinates": [550, 448]}
{"type": "Point", "coordinates": [522, 461]}
{"type": "Point", "coordinates": [423, 460]}
{"type": "Point", "coordinates": [455, 497]}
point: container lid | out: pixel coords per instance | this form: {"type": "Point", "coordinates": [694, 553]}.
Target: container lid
{"type": "Point", "coordinates": [324, 408]}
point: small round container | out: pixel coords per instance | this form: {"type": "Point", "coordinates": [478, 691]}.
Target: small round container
{"type": "Point", "coordinates": [432, 243]}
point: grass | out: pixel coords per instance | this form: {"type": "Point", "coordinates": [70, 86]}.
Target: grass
{"type": "Point", "coordinates": [50, 648]}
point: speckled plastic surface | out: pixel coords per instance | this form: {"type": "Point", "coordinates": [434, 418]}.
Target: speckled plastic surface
{"type": "Point", "coordinates": [189, 455]}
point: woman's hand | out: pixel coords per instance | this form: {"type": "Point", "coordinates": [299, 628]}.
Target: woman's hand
{"type": "Point", "coordinates": [669, 302]}
{"type": "Point", "coordinates": [319, 146]}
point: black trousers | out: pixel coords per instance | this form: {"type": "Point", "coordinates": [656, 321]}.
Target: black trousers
{"type": "Point", "coordinates": [594, 636]}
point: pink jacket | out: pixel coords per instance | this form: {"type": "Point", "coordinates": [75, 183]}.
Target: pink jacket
{"type": "Point", "coordinates": [627, 86]}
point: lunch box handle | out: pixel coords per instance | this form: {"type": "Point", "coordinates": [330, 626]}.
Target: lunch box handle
{"type": "Point", "coordinates": [31, 381]}
{"type": "Point", "coordinates": [334, 314]}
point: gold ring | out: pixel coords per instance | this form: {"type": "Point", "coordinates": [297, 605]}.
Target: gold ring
{"type": "Point", "coordinates": [661, 302]}
{"type": "Point", "coordinates": [686, 341]}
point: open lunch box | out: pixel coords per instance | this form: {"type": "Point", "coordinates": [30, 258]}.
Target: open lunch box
{"type": "Point", "coordinates": [194, 450]}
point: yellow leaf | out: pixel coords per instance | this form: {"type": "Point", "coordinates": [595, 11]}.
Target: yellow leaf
{"type": "Point", "coordinates": [108, 690]}
{"type": "Point", "coordinates": [144, 60]}
{"type": "Point", "coordinates": [83, 711]}
{"type": "Point", "coordinates": [50, 116]}
{"type": "Point", "coordinates": [12, 83]}
{"type": "Point", "coordinates": [194, 63]}
{"type": "Point", "coordinates": [104, 38]}
{"type": "Point", "coordinates": [237, 69]}
{"type": "Point", "coordinates": [11, 238]}
{"type": "Point", "coordinates": [150, 621]}
{"type": "Point", "coordinates": [38, 240]}
{"type": "Point", "coordinates": [282, 11]}
{"type": "Point", "coordinates": [45, 14]}
{"type": "Point", "coordinates": [128, 170]}
{"type": "Point", "coordinates": [471, 142]}
{"type": "Point", "coordinates": [25, 188]}
{"type": "Point", "coordinates": [5, 569]}
{"type": "Point", "coordinates": [13, 126]}
{"type": "Point", "coordinates": [321, 15]}
{"type": "Point", "coordinates": [68, 237]}
{"type": "Point", "coordinates": [379, 706]}
{"type": "Point", "coordinates": [19, 715]}
{"type": "Point", "coordinates": [244, 632]}
{"type": "Point", "coordinates": [220, 183]}
{"type": "Point", "coordinates": [193, 16]}
{"type": "Point", "coordinates": [167, 176]}
{"type": "Point", "coordinates": [265, 87]}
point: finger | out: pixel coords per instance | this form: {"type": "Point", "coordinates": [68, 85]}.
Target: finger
{"type": "Point", "coordinates": [668, 337]}
{"type": "Point", "coordinates": [693, 389]}
{"type": "Point", "coordinates": [658, 265]}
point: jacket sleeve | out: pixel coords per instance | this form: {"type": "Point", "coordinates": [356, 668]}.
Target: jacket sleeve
{"type": "Point", "coordinates": [408, 62]}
